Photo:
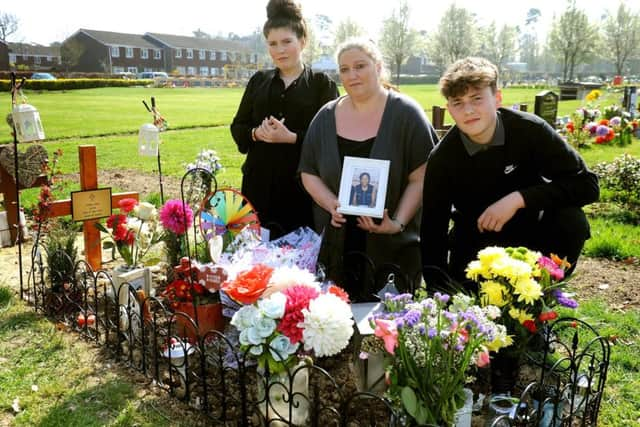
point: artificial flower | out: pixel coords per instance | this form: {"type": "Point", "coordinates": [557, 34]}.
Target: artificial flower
{"type": "Point", "coordinates": [327, 325]}
{"type": "Point", "coordinates": [298, 299]}
{"type": "Point", "coordinates": [386, 329]}
{"type": "Point", "coordinates": [248, 285]}
{"type": "Point", "coordinates": [176, 216]}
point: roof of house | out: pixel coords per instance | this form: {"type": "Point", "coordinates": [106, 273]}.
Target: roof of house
{"type": "Point", "coordinates": [197, 42]}
{"type": "Point", "coordinates": [110, 38]}
{"type": "Point", "coordinates": [33, 49]}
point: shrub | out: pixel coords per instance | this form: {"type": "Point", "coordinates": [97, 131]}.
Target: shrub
{"type": "Point", "coordinates": [62, 254]}
{"type": "Point", "coordinates": [69, 84]}
{"type": "Point", "coordinates": [621, 180]}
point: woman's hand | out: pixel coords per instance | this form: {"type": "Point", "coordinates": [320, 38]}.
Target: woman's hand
{"type": "Point", "coordinates": [337, 219]}
{"type": "Point", "coordinates": [273, 130]}
{"type": "Point", "coordinates": [387, 226]}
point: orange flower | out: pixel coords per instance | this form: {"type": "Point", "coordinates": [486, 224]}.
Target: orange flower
{"type": "Point", "coordinates": [561, 262]}
{"type": "Point", "coordinates": [249, 285]}
{"type": "Point", "coordinates": [339, 292]}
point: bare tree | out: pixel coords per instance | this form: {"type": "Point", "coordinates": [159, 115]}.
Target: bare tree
{"type": "Point", "coordinates": [529, 46]}
{"type": "Point", "coordinates": [398, 41]}
{"type": "Point", "coordinates": [8, 25]}
{"type": "Point", "coordinates": [622, 37]}
{"type": "Point", "coordinates": [347, 29]}
{"type": "Point", "coordinates": [572, 39]}
{"type": "Point", "coordinates": [455, 37]}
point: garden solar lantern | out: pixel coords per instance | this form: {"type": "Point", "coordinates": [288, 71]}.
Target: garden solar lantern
{"type": "Point", "coordinates": [148, 140]}
{"type": "Point", "coordinates": [26, 119]}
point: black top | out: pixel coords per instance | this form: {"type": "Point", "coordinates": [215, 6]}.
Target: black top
{"type": "Point", "coordinates": [534, 160]}
{"type": "Point", "coordinates": [269, 171]}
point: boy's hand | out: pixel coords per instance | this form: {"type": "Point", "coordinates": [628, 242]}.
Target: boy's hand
{"type": "Point", "coordinates": [499, 213]}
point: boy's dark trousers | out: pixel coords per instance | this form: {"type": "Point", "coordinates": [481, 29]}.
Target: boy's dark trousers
{"type": "Point", "coordinates": [561, 232]}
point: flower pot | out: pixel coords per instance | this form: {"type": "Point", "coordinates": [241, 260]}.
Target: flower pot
{"type": "Point", "coordinates": [209, 318]}
{"type": "Point", "coordinates": [283, 397]}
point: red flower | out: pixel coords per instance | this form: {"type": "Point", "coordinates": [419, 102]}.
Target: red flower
{"type": "Point", "coordinates": [570, 127]}
{"type": "Point", "coordinates": [115, 220]}
{"type": "Point", "coordinates": [249, 285]}
{"type": "Point", "coordinates": [127, 205]}
{"type": "Point", "coordinates": [531, 326]}
{"type": "Point", "coordinates": [547, 315]}
{"type": "Point", "coordinates": [298, 298]}
{"type": "Point", "coordinates": [604, 122]}
{"type": "Point", "coordinates": [339, 292]}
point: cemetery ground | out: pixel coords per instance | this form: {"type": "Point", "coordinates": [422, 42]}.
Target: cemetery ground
{"type": "Point", "coordinates": [51, 377]}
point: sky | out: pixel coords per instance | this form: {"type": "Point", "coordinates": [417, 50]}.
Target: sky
{"type": "Point", "coordinates": [42, 21]}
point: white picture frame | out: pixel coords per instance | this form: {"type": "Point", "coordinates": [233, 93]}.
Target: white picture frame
{"type": "Point", "coordinates": [371, 176]}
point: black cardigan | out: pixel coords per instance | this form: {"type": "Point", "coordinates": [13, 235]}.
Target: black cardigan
{"type": "Point", "coordinates": [534, 160]}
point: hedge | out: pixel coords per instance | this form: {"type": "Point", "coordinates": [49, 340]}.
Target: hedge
{"type": "Point", "coordinates": [69, 84]}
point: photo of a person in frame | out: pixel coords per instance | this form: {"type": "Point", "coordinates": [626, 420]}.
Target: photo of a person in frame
{"type": "Point", "coordinates": [363, 193]}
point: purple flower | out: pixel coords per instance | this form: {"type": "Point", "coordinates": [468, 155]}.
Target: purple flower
{"type": "Point", "coordinates": [568, 302]}
{"type": "Point", "coordinates": [432, 332]}
{"type": "Point", "coordinates": [412, 317]}
{"type": "Point", "coordinates": [459, 347]}
{"type": "Point", "coordinates": [602, 130]}
{"type": "Point", "coordinates": [400, 323]}
{"type": "Point", "coordinates": [443, 298]}
{"type": "Point", "coordinates": [615, 121]}
{"type": "Point", "coordinates": [422, 330]}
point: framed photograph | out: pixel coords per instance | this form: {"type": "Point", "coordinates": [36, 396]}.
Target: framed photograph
{"type": "Point", "coordinates": [363, 186]}
{"type": "Point", "coordinates": [139, 279]}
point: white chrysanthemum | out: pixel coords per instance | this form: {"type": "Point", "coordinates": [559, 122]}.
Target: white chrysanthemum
{"type": "Point", "coordinates": [327, 325]}
{"type": "Point", "coordinates": [145, 211]}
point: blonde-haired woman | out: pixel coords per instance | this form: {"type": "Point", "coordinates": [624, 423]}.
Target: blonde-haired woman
{"type": "Point", "coordinates": [375, 122]}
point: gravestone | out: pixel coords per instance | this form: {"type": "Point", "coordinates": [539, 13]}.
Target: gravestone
{"type": "Point", "coordinates": [547, 106]}
{"type": "Point", "coordinates": [630, 102]}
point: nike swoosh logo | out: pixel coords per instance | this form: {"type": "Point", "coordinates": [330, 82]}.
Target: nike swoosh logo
{"type": "Point", "coordinates": [510, 168]}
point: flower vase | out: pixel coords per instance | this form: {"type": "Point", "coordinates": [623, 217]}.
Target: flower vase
{"type": "Point", "coordinates": [370, 373]}
{"type": "Point", "coordinates": [505, 369]}
{"type": "Point", "coordinates": [463, 415]}
{"type": "Point", "coordinates": [283, 397]}
{"type": "Point", "coordinates": [209, 317]}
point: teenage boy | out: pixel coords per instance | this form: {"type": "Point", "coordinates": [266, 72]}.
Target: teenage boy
{"type": "Point", "coordinates": [505, 178]}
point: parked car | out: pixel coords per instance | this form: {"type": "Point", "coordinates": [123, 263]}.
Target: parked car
{"type": "Point", "coordinates": [42, 76]}
{"type": "Point", "coordinates": [153, 75]}
{"type": "Point", "coordinates": [125, 75]}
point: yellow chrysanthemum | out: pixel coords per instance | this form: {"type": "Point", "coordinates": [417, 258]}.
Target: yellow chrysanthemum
{"type": "Point", "coordinates": [528, 290]}
{"type": "Point", "coordinates": [493, 293]}
{"type": "Point", "coordinates": [512, 269]}
{"type": "Point", "coordinates": [491, 254]}
{"type": "Point", "coordinates": [475, 269]}
{"type": "Point", "coordinates": [520, 315]}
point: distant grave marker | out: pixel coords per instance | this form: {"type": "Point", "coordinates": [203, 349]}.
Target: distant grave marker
{"type": "Point", "coordinates": [547, 106]}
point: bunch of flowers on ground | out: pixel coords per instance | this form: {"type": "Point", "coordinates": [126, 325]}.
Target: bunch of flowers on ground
{"type": "Point", "coordinates": [525, 285]}
{"type": "Point", "coordinates": [207, 160]}
{"type": "Point", "coordinates": [134, 230]}
{"type": "Point", "coordinates": [432, 344]}
{"type": "Point", "coordinates": [298, 318]}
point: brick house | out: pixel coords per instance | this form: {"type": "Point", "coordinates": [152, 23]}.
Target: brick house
{"type": "Point", "coordinates": [4, 56]}
{"type": "Point", "coordinates": [109, 52]}
{"type": "Point", "coordinates": [32, 56]}
{"type": "Point", "coordinates": [196, 56]}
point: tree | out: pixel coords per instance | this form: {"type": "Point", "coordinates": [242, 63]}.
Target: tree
{"type": "Point", "coordinates": [199, 34]}
{"type": "Point", "coordinates": [454, 38]}
{"type": "Point", "coordinates": [499, 47]}
{"type": "Point", "coordinates": [398, 40]}
{"type": "Point", "coordinates": [572, 39]}
{"type": "Point", "coordinates": [347, 29]}
{"type": "Point", "coordinates": [71, 52]}
{"type": "Point", "coordinates": [622, 37]}
{"type": "Point", "coordinates": [8, 25]}
{"type": "Point", "coordinates": [529, 45]}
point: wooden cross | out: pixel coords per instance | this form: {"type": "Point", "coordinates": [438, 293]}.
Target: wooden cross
{"type": "Point", "coordinates": [88, 181]}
